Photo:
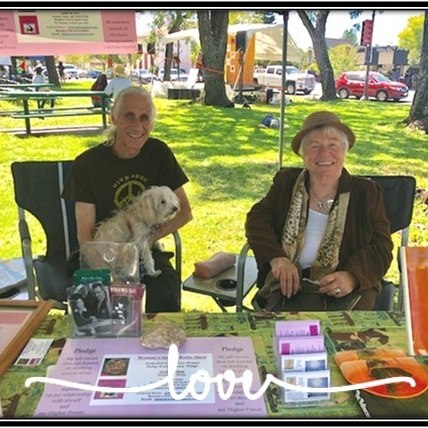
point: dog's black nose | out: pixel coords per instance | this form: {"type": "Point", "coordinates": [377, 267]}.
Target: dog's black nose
{"type": "Point", "coordinates": [175, 208]}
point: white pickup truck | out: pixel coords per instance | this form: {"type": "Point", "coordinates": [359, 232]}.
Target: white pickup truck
{"type": "Point", "coordinates": [295, 80]}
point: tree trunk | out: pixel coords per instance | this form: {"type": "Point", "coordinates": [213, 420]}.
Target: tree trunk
{"type": "Point", "coordinates": [418, 117]}
{"type": "Point", "coordinates": [213, 36]}
{"type": "Point", "coordinates": [178, 19]}
{"type": "Point", "coordinates": [52, 71]}
{"type": "Point", "coordinates": [168, 61]}
{"type": "Point", "coordinates": [317, 34]}
{"type": "Point", "coordinates": [12, 71]}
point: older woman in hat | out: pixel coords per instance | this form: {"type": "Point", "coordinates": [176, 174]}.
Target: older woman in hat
{"type": "Point", "coordinates": [320, 236]}
{"type": "Point", "coordinates": [120, 81]}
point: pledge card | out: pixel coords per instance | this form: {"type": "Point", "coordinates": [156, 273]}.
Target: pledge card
{"type": "Point", "coordinates": [303, 362]}
{"type": "Point", "coordinates": [309, 380]}
{"type": "Point", "coordinates": [34, 352]}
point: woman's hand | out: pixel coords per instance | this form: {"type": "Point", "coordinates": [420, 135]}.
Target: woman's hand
{"type": "Point", "coordinates": [287, 274]}
{"type": "Point", "coordinates": [338, 284]}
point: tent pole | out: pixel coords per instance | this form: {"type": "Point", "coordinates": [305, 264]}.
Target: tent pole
{"type": "Point", "coordinates": [284, 63]}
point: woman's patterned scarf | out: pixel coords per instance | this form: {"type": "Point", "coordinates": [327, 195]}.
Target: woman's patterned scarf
{"type": "Point", "coordinates": [293, 234]}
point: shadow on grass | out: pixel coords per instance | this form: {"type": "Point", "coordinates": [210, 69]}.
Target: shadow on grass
{"type": "Point", "coordinates": [83, 131]}
{"type": "Point", "coordinates": [218, 182]}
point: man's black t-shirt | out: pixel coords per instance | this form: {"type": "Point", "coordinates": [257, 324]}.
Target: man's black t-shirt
{"type": "Point", "coordinates": [99, 177]}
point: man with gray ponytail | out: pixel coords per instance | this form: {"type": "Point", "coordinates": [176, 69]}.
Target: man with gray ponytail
{"type": "Point", "coordinates": [107, 177]}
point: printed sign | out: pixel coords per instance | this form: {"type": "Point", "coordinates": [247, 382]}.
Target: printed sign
{"type": "Point", "coordinates": [60, 32]}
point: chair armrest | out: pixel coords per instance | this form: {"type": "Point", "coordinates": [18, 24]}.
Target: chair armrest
{"type": "Point", "coordinates": [242, 258]}
{"type": "Point", "coordinates": [178, 252]}
{"type": "Point", "coordinates": [27, 255]}
{"type": "Point", "coordinates": [24, 231]}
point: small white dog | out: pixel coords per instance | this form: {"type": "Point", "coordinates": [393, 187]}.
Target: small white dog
{"type": "Point", "coordinates": [137, 222]}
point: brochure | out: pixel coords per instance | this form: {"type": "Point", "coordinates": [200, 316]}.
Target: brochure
{"type": "Point", "coordinates": [125, 363]}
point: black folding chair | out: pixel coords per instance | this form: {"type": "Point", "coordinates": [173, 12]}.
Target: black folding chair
{"type": "Point", "coordinates": [399, 195]}
{"type": "Point", "coordinates": [38, 187]}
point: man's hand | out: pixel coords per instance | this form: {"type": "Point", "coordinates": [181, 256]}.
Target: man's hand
{"type": "Point", "coordinates": [287, 274]}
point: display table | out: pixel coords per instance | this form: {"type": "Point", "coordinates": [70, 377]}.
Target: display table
{"type": "Point", "coordinates": [342, 331]}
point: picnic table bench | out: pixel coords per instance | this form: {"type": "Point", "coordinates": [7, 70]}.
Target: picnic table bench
{"type": "Point", "coordinates": [27, 114]}
{"type": "Point", "coordinates": [9, 87]}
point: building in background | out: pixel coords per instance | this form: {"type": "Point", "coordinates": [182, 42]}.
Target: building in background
{"type": "Point", "coordinates": [385, 59]}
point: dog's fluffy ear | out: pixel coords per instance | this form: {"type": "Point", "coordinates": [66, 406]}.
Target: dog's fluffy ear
{"type": "Point", "coordinates": [148, 208]}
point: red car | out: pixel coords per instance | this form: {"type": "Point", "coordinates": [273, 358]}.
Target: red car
{"type": "Point", "coordinates": [379, 86]}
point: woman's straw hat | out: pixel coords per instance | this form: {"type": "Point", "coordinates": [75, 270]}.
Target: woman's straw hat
{"type": "Point", "coordinates": [119, 71]}
{"type": "Point", "coordinates": [320, 119]}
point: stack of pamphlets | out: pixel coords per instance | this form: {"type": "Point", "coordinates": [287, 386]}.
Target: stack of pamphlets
{"type": "Point", "coordinates": [301, 360]}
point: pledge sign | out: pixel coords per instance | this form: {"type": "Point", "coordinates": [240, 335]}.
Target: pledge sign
{"type": "Point", "coordinates": [60, 32]}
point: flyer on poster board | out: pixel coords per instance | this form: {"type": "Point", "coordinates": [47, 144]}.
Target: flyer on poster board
{"type": "Point", "coordinates": [125, 363]}
{"type": "Point", "coordinates": [60, 32]}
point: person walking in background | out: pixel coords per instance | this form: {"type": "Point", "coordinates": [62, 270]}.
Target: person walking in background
{"type": "Point", "coordinates": [61, 71]}
{"type": "Point", "coordinates": [38, 78]}
{"type": "Point", "coordinates": [395, 74]}
{"type": "Point", "coordinates": [99, 85]}
{"type": "Point", "coordinates": [120, 81]}
{"type": "Point", "coordinates": [38, 75]}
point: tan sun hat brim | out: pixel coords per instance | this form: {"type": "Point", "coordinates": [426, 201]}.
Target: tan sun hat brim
{"type": "Point", "coordinates": [119, 71]}
{"type": "Point", "coordinates": [321, 119]}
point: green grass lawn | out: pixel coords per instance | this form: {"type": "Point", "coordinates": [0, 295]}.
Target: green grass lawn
{"type": "Point", "coordinates": [230, 162]}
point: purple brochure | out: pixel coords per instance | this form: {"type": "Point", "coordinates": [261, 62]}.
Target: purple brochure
{"type": "Point", "coordinates": [120, 363]}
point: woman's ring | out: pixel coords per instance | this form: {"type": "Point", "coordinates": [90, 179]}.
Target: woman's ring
{"type": "Point", "coordinates": [337, 291]}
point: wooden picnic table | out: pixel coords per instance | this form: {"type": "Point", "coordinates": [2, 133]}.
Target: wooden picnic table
{"type": "Point", "coordinates": [27, 113]}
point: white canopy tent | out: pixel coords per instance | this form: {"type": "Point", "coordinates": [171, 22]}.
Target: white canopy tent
{"type": "Point", "coordinates": [268, 43]}
{"type": "Point", "coordinates": [273, 43]}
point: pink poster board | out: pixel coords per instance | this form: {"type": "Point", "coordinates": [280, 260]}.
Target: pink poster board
{"type": "Point", "coordinates": [10, 323]}
{"type": "Point", "coordinates": [61, 32]}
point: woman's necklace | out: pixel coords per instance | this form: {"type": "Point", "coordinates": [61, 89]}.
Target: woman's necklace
{"type": "Point", "coordinates": [325, 203]}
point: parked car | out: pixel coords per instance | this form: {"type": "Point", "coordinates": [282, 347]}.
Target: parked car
{"type": "Point", "coordinates": [295, 80]}
{"type": "Point", "coordinates": [93, 74]}
{"type": "Point", "coordinates": [174, 74]}
{"type": "Point", "coordinates": [81, 73]}
{"type": "Point", "coordinates": [70, 71]}
{"type": "Point", "coordinates": [142, 75]}
{"type": "Point", "coordinates": [351, 83]}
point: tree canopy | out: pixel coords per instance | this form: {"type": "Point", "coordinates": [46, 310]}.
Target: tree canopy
{"type": "Point", "coordinates": [411, 38]}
